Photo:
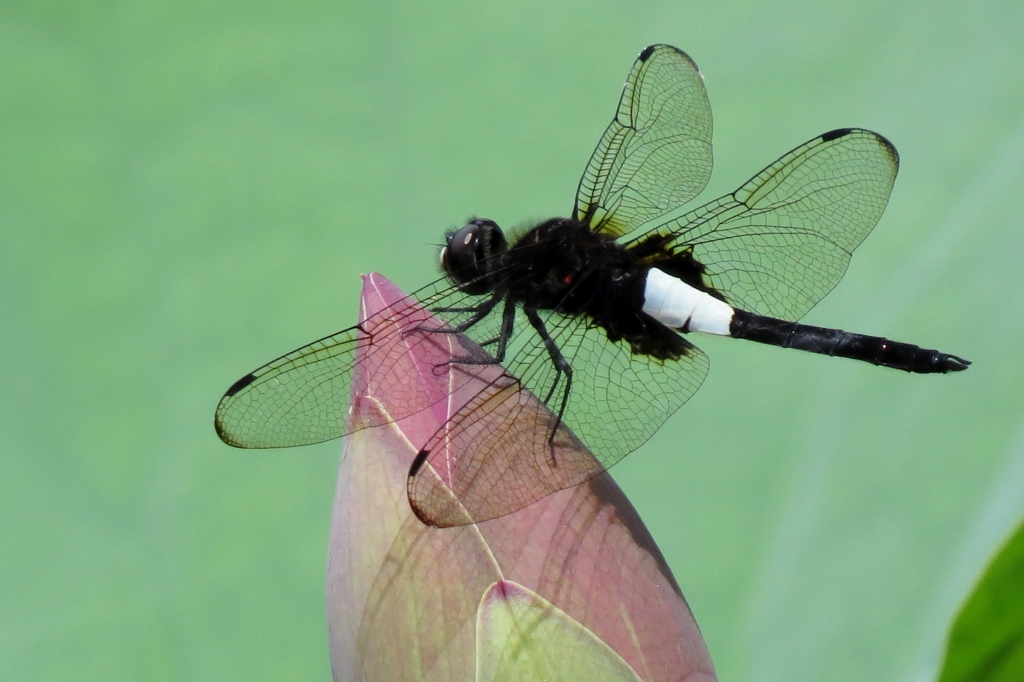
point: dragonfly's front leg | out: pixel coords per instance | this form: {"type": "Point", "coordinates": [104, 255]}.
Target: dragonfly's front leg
{"type": "Point", "coordinates": [479, 312]}
{"type": "Point", "coordinates": [508, 319]}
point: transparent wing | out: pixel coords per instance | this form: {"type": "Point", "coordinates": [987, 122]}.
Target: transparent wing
{"type": "Point", "coordinates": [302, 397]}
{"type": "Point", "coordinates": [656, 154]}
{"type": "Point", "coordinates": [501, 451]}
{"type": "Point", "coordinates": [782, 241]}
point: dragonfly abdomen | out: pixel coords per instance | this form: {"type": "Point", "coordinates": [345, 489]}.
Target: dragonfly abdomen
{"type": "Point", "coordinates": [836, 342]}
{"type": "Point", "coordinates": [676, 304]}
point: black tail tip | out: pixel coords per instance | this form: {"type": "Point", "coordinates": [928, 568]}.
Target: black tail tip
{"type": "Point", "coordinates": [952, 363]}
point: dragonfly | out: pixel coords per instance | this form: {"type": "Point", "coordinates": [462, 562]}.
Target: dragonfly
{"type": "Point", "coordinates": [592, 314]}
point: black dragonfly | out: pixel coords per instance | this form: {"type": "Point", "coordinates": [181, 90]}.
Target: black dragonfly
{"type": "Point", "coordinates": [588, 313]}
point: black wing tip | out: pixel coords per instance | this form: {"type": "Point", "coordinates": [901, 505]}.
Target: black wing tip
{"type": "Point", "coordinates": [882, 140]}
{"type": "Point", "coordinates": [218, 423]}
{"type": "Point", "coordinates": [646, 53]}
{"type": "Point", "coordinates": [417, 463]}
{"type": "Point", "coordinates": [414, 469]}
{"type": "Point", "coordinates": [239, 385]}
{"type": "Point", "coordinates": [836, 134]}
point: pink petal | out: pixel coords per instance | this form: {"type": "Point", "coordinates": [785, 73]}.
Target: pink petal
{"type": "Point", "coordinates": [403, 598]}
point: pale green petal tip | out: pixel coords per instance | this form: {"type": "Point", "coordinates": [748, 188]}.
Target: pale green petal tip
{"type": "Point", "coordinates": [522, 637]}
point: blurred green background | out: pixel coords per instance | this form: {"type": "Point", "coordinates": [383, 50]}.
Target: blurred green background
{"type": "Point", "coordinates": [188, 189]}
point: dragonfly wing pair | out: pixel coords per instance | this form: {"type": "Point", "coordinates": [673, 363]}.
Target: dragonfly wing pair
{"type": "Point", "coordinates": [775, 246]}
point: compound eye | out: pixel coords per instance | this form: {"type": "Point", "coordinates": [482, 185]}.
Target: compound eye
{"type": "Point", "coordinates": [460, 257]}
{"type": "Point", "coordinates": [468, 257]}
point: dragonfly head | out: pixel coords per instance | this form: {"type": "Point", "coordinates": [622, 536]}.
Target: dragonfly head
{"type": "Point", "coordinates": [469, 256]}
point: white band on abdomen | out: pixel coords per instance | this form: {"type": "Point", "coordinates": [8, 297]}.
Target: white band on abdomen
{"type": "Point", "coordinates": [676, 304]}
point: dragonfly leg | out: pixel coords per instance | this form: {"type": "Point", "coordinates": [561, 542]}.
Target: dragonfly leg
{"type": "Point", "coordinates": [508, 318]}
{"type": "Point", "coordinates": [479, 312]}
{"type": "Point", "coordinates": [562, 367]}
